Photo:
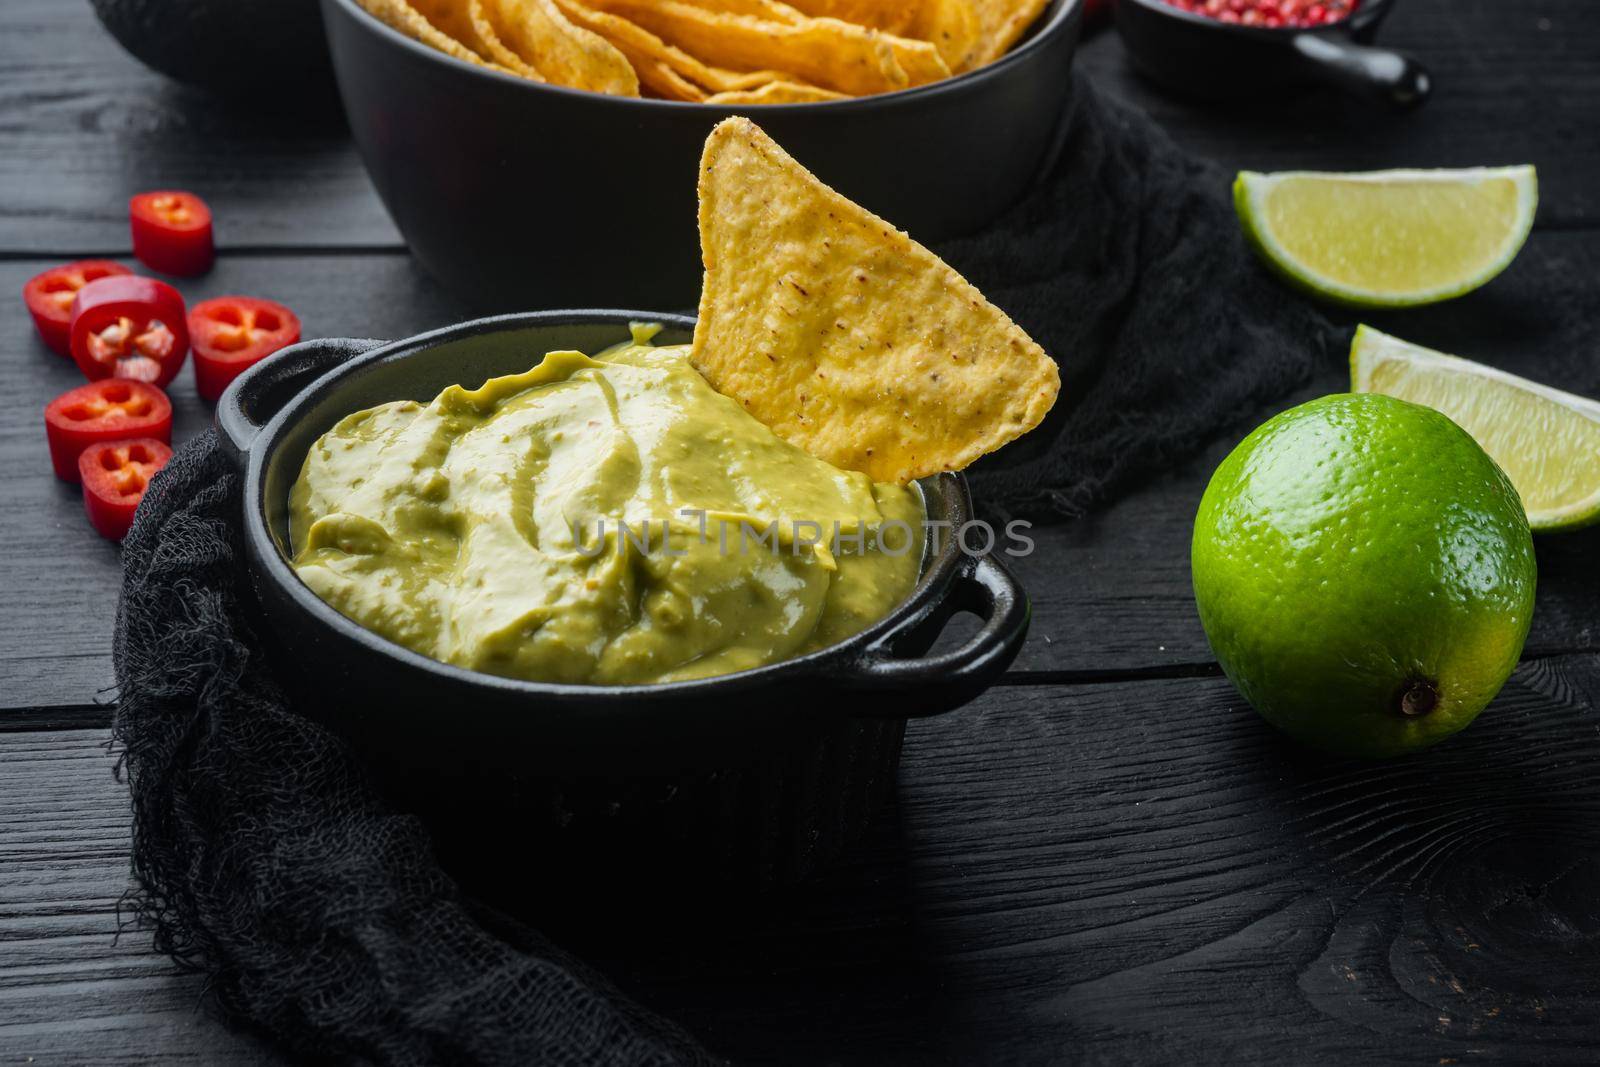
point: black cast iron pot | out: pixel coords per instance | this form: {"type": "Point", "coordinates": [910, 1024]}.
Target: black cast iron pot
{"type": "Point", "coordinates": [1205, 57]}
{"type": "Point", "coordinates": [766, 771]}
{"type": "Point", "coordinates": [516, 194]}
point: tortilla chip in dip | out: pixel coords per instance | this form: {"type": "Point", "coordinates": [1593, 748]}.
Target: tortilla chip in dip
{"type": "Point", "coordinates": [565, 54]}
{"type": "Point", "coordinates": [841, 333]}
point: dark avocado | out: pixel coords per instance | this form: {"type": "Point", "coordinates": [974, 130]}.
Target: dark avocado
{"type": "Point", "coordinates": [240, 47]}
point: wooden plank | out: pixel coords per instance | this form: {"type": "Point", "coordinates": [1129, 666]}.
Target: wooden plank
{"type": "Point", "coordinates": [86, 126]}
{"type": "Point", "coordinates": [1130, 873]}
{"type": "Point", "coordinates": [1111, 591]}
{"type": "Point", "coordinates": [61, 590]}
{"type": "Point", "coordinates": [1514, 83]}
{"type": "Point", "coordinates": [71, 989]}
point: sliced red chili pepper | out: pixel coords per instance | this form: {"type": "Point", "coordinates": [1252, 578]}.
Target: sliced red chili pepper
{"type": "Point", "coordinates": [108, 410]}
{"type": "Point", "coordinates": [129, 327]}
{"type": "Point", "coordinates": [49, 297]}
{"type": "Point", "coordinates": [172, 232]}
{"type": "Point", "coordinates": [115, 475]}
{"type": "Point", "coordinates": [230, 334]}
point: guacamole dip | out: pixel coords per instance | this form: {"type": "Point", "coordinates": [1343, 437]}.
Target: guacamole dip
{"type": "Point", "coordinates": [596, 520]}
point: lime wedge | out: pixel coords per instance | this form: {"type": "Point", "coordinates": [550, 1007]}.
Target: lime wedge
{"type": "Point", "coordinates": [1394, 238]}
{"type": "Point", "coordinates": [1547, 441]}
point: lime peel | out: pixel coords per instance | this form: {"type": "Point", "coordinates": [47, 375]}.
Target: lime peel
{"type": "Point", "coordinates": [1493, 406]}
{"type": "Point", "coordinates": [1364, 574]}
{"type": "Point", "coordinates": [1452, 230]}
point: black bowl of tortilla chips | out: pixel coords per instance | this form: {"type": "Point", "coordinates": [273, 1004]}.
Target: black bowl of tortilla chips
{"type": "Point", "coordinates": [517, 194]}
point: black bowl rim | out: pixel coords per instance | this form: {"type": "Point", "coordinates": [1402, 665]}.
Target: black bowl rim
{"type": "Point", "coordinates": [938, 572]}
{"type": "Point", "coordinates": [1365, 14]}
{"type": "Point", "coordinates": [1065, 13]}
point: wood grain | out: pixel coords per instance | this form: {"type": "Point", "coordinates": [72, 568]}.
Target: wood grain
{"type": "Point", "coordinates": [1513, 83]}
{"type": "Point", "coordinates": [62, 579]}
{"type": "Point", "coordinates": [1134, 870]}
{"type": "Point", "coordinates": [85, 126]}
{"type": "Point", "coordinates": [1113, 873]}
{"type": "Point", "coordinates": [1144, 873]}
{"type": "Point", "coordinates": [71, 989]}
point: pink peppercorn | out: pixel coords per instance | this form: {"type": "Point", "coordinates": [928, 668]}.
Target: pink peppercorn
{"type": "Point", "coordinates": [1272, 14]}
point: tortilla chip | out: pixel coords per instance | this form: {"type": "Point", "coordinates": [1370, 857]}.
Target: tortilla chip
{"type": "Point", "coordinates": [952, 27]}
{"type": "Point", "coordinates": [450, 18]}
{"type": "Point", "coordinates": [399, 15]}
{"type": "Point", "coordinates": [826, 52]}
{"type": "Point", "coordinates": [1001, 23]}
{"type": "Point", "coordinates": [565, 54]}
{"type": "Point", "coordinates": [949, 25]}
{"type": "Point", "coordinates": [457, 19]}
{"type": "Point", "coordinates": [661, 80]}
{"type": "Point", "coordinates": [771, 10]}
{"type": "Point", "coordinates": [640, 45]}
{"type": "Point", "coordinates": [488, 43]}
{"type": "Point", "coordinates": [890, 16]}
{"type": "Point", "coordinates": [733, 81]}
{"type": "Point", "coordinates": [919, 58]}
{"type": "Point", "coordinates": [844, 335]}
{"type": "Point", "coordinates": [777, 93]}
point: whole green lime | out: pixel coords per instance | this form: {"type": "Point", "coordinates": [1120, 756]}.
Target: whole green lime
{"type": "Point", "coordinates": [1364, 573]}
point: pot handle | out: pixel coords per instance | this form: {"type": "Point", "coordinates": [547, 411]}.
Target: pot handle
{"type": "Point", "coordinates": [930, 685]}
{"type": "Point", "coordinates": [1394, 78]}
{"type": "Point", "coordinates": [255, 396]}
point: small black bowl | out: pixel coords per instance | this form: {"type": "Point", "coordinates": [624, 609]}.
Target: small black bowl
{"type": "Point", "coordinates": [765, 772]}
{"type": "Point", "coordinates": [1208, 58]}
{"type": "Point", "coordinates": [520, 195]}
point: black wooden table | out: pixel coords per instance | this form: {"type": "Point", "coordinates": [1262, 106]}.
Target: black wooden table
{"type": "Point", "coordinates": [1108, 858]}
